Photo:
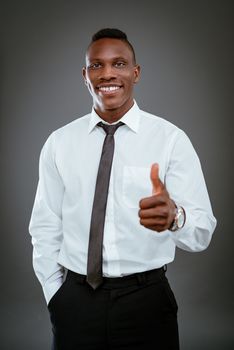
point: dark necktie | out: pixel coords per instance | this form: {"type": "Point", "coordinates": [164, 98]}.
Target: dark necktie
{"type": "Point", "coordinates": [94, 267]}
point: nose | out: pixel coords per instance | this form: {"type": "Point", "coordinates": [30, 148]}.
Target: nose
{"type": "Point", "coordinates": [107, 73]}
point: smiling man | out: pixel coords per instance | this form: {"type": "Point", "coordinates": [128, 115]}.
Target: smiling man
{"type": "Point", "coordinates": [119, 189]}
{"type": "Point", "coordinates": [110, 74]}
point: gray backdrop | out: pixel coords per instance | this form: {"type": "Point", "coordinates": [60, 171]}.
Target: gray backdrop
{"type": "Point", "coordinates": [184, 48]}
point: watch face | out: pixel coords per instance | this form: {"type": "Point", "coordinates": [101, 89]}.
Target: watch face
{"type": "Point", "coordinates": [180, 220]}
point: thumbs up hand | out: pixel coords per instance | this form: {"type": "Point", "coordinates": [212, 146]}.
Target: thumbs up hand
{"type": "Point", "coordinates": [158, 211]}
{"type": "Point", "coordinates": [158, 186]}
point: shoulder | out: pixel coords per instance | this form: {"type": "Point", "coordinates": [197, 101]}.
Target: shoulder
{"type": "Point", "coordinates": [74, 126]}
{"type": "Point", "coordinates": [155, 120]}
{"type": "Point", "coordinates": [169, 134]}
{"type": "Point", "coordinates": [67, 133]}
{"type": "Point", "coordinates": [160, 125]}
{"type": "Point", "coordinates": [70, 130]}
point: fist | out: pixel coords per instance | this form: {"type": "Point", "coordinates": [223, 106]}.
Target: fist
{"type": "Point", "coordinates": [158, 211]}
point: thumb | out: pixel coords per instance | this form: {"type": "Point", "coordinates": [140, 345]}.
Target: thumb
{"type": "Point", "coordinates": [156, 182]}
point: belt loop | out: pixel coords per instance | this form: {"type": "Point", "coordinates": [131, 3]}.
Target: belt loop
{"type": "Point", "coordinates": [141, 278]}
{"type": "Point", "coordinates": [165, 268]}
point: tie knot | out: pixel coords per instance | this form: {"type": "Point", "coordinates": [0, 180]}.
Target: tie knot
{"type": "Point", "coordinates": [110, 129]}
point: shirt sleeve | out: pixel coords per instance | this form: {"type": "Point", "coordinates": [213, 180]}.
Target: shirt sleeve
{"type": "Point", "coordinates": [45, 224]}
{"type": "Point", "coordinates": [186, 186]}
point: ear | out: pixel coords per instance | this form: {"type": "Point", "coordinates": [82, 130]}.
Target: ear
{"type": "Point", "coordinates": [137, 70]}
{"type": "Point", "coordinates": [84, 75]}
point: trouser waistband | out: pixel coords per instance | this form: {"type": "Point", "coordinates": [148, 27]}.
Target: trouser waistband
{"type": "Point", "coordinates": [125, 281]}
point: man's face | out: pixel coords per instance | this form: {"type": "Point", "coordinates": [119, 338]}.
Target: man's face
{"type": "Point", "coordinates": [110, 75]}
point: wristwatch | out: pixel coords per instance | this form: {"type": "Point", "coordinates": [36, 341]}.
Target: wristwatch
{"type": "Point", "coordinates": [179, 219]}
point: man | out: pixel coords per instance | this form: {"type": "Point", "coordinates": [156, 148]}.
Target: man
{"type": "Point", "coordinates": [119, 189]}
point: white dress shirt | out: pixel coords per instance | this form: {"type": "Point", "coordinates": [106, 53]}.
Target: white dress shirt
{"type": "Point", "coordinates": [68, 166]}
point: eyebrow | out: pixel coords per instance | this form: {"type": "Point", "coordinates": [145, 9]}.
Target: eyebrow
{"type": "Point", "coordinates": [113, 59]}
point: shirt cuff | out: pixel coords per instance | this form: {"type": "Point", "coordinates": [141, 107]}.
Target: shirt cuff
{"type": "Point", "coordinates": [193, 236]}
{"type": "Point", "coordinates": [50, 288]}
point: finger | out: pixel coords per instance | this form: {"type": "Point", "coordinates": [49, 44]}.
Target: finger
{"type": "Point", "coordinates": [157, 228]}
{"type": "Point", "coordinates": [151, 202]}
{"type": "Point", "coordinates": [149, 222]}
{"type": "Point", "coordinates": [159, 212]}
{"type": "Point", "coordinates": [156, 182]}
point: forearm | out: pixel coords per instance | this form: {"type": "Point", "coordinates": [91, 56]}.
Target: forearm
{"type": "Point", "coordinates": [46, 231]}
{"type": "Point", "coordinates": [186, 186]}
{"type": "Point", "coordinates": [45, 225]}
{"type": "Point", "coordinates": [197, 231]}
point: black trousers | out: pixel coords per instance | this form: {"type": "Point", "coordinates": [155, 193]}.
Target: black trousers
{"type": "Point", "coordinates": [136, 312]}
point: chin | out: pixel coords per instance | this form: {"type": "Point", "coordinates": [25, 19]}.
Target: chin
{"type": "Point", "coordinates": [111, 105]}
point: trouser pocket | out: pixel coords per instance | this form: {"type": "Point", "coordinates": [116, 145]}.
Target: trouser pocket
{"type": "Point", "coordinates": [57, 293]}
{"type": "Point", "coordinates": [170, 296]}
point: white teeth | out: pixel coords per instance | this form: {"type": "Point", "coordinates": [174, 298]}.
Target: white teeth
{"type": "Point", "coordinates": [109, 88]}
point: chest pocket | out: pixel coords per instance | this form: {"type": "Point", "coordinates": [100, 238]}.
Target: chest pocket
{"type": "Point", "coordinates": [136, 185]}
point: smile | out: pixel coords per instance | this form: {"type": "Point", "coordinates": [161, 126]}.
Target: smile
{"type": "Point", "coordinates": [108, 89]}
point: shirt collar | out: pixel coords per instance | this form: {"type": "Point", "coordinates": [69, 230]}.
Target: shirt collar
{"type": "Point", "coordinates": [131, 118]}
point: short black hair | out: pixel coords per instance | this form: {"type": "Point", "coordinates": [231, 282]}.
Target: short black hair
{"type": "Point", "coordinates": [113, 33]}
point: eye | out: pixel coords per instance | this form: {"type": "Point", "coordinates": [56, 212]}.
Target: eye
{"type": "Point", "coordinates": [94, 65]}
{"type": "Point", "coordinates": [120, 64]}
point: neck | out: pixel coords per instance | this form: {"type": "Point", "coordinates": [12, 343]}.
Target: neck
{"type": "Point", "coordinates": [113, 115]}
